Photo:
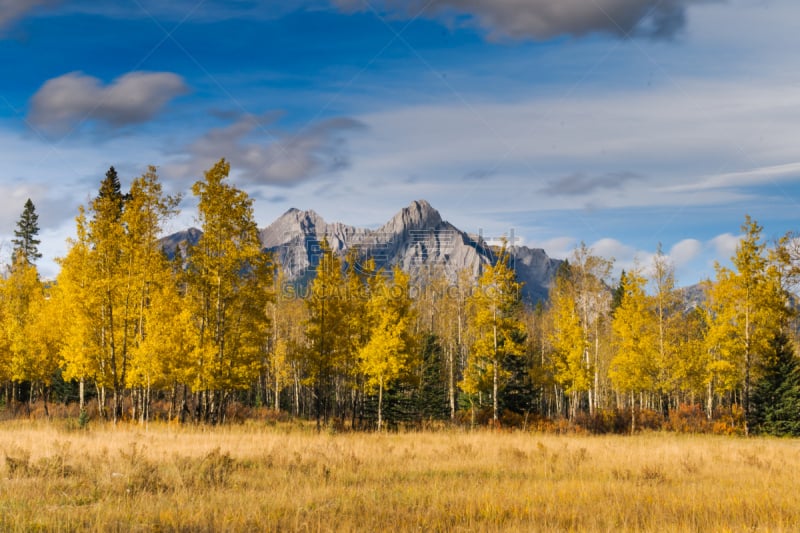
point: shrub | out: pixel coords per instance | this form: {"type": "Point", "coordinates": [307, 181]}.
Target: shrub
{"type": "Point", "coordinates": [604, 421]}
{"type": "Point", "coordinates": [649, 419]}
{"type": "Point", "coordinates": [688, 418]}
{"type": "Point", "coordinates": [211, 470]}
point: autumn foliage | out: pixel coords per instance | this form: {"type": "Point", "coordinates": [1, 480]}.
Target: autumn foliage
{"type": "Point", "coordinates": [209, 334]}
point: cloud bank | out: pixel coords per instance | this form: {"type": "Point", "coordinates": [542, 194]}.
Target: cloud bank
{"type": "Point", "coordinates": [578, 183]}
{"type": "Point", "coordinates": [545, 19]}
{"type": "Point", "coordinates": [65, 102]}
{"type": "Point", "coordinates": [262, 155]}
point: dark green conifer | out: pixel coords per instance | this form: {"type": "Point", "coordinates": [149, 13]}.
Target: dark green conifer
{"type": "Point", "coordinates": [26, 244]}
{"type": "Point", "coordinates": [775, 407]}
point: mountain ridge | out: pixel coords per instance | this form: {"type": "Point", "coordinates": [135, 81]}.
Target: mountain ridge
{"type": "Point", "coordinates": [417, 237]}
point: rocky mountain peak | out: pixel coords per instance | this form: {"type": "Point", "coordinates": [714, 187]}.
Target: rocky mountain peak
{"type": "Point", "coordinates": [415, 239]}
{"type": "Point", "coordinates": [418, 215]}
{"type": "Point", "coordinates": [293, 224]}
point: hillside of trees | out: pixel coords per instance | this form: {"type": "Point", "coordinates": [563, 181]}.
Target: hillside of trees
{"type": "Point", "coordinates": [127, 333]}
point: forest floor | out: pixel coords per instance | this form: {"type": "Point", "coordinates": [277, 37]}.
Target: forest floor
{"type": "Point", "coordinates": [285, 476]}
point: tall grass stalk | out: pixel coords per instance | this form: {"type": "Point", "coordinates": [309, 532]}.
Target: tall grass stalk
{"type": "Point", "coordinates": [287, 477]}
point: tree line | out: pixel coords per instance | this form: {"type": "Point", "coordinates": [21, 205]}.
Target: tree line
{"type": "Point", "coordinates": [138, 333]}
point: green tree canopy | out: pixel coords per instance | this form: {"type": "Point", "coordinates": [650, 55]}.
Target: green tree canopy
{"type": "Point", "coordinates": [25, 242]}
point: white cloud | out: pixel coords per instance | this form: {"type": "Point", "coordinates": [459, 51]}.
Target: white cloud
{"type": "Point", "coordinates": [70, 100]}
{"type": "Point", "coordinates": [684, 252]}
{"type": "Point", "coordinates": [683, 147]}
{"type": "Point", "coordinates": [745, 178]}
{"type": "Point", "coordinates": [614, 249]}
{"type": "Point", "coordinates": [725, 245]}
{"type": "Point", "coordinates": [557, 248]}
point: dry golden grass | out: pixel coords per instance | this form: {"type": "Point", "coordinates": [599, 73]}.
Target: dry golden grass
{"type": "Point", "coordinates": [260, 478]}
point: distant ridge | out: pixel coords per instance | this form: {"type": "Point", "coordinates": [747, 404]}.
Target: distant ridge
{"type": "Point", "coordinates": [415, 238]}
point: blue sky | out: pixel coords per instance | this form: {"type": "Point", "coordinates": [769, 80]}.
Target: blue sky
{"type": "Point", "coordinates": [620, 123]}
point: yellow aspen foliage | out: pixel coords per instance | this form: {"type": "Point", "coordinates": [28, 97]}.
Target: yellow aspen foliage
{"type": "Point", "coordinates": [567, 339]}
{"type": "Point", "coordinates": [746, 307]}
{"type": "Point", "coordinates": [23, 297]}
{"type": "Point", "coordinates": [162, 357]}
{"type": "Point", "coordinates": [286, 314]}
{"type": "Point", "coordinates": [77, 300]}
{"type": "Point", "coordinates": [326, 328]}
{"type": "Point", "coordinates": [578, 332]}
{"type": "Point", "coordinates": [359, 275]}
{"type": "Point", "coordinates": [389, 352]}
{"type": "Point", "coordinates": [147, 275]}
{"type": "Point", "coordinates": [43, 337]}
{"type": "Point", "coordinates": [633, 367]}
{"type": "Point", "coordinates": [668, 313]}
{"type": "Point", "coordinates": [495, 319]}
{"type": "Point", "coordinates": [229, 286]}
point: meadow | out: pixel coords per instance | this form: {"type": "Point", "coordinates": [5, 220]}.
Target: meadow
{"type": "Point", "coordinates": [287, 477]}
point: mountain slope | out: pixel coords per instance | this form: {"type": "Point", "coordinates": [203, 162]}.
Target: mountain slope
{"type": "Point", "coordinates": [416, 238]}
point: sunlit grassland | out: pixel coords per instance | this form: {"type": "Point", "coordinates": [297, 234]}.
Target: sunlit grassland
{"type": "Point", "coordinates": [288, 477]}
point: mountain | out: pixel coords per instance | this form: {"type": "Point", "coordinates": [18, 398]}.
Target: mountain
{"type": "Point", "coordinates": [294, 238]}
{"type": "Point", "coordinates": [536, 270]}
{"type": "Point", "coordinates": [416, 238]}
{"type": "Point", "coordinates": [180, 241]}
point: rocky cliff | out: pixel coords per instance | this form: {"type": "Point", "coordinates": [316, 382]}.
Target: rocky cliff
{"type": "Point", "coordinates": [416, 238]}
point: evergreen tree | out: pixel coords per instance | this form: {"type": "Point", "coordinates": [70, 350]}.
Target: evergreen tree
{"type": "Point", "coordinates": [747, 308]}
{"type": "Point", "coordinates": [325, 330]}
{"type": "Point", "coordinates": [26, 242]}
{"type": "Point", "coordinates": [111, 191]}
{"type": "Point", "coordinates": [389, 353]}
{"type": "Point", "coordinates": [775, 406]}
{"type": "Point", "coordinates": [519, 395]}
{"type": "Point", "coordinates": [618, 293]}
{"type": "Point", "coordinates": [499, 332]}
{"type": "Point", "coordinates": [433, 390]}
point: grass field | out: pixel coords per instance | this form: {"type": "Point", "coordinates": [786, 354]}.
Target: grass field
{"type": "Point", "coordinates": [287, 477]}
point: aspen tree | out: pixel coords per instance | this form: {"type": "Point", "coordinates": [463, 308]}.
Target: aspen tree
{"type": "Point", "coordinates": [566, 337]}
{"type": "Point", "coordinates": [23, 296]}
{"type": "Point", "coordinates": [498, 328]}
{"type": "Point", "coordinates": [579, 307]}
{"type": "Point", "coordinates": [42, 334]}
{"type": "Point", "coordinates": [633, 367]}
{"type": "Point", "coordinates": [229, 285]}
{"type": "Point", "coordinates": [747, 308]}
{"type": "Point", "coordinates": [144, 269]}
{"type": "Point", "coordinates": [77, 299]}
{"type": "Point", "coordinates": [106, 235]}
{"type": "Point", "coordinates": [285, 313]}
{"type": "Point", "coordinates": [666, 308]}
{"type": "Point", "coordinates": [389, 352]}
{"type": "Point", "coordinates": [325, 329]}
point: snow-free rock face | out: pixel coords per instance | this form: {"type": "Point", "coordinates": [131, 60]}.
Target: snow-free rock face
{"type": "Point", "coordinates": [181, 240]}
{"type": "Point", "coordinates": [535, 269]}
{"type": "Point", "coordinates": [417, 216]}
{"type": "Point", "coordinates": [416, 239]}
{"type": "Point", "coordinates": [295, 238]}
